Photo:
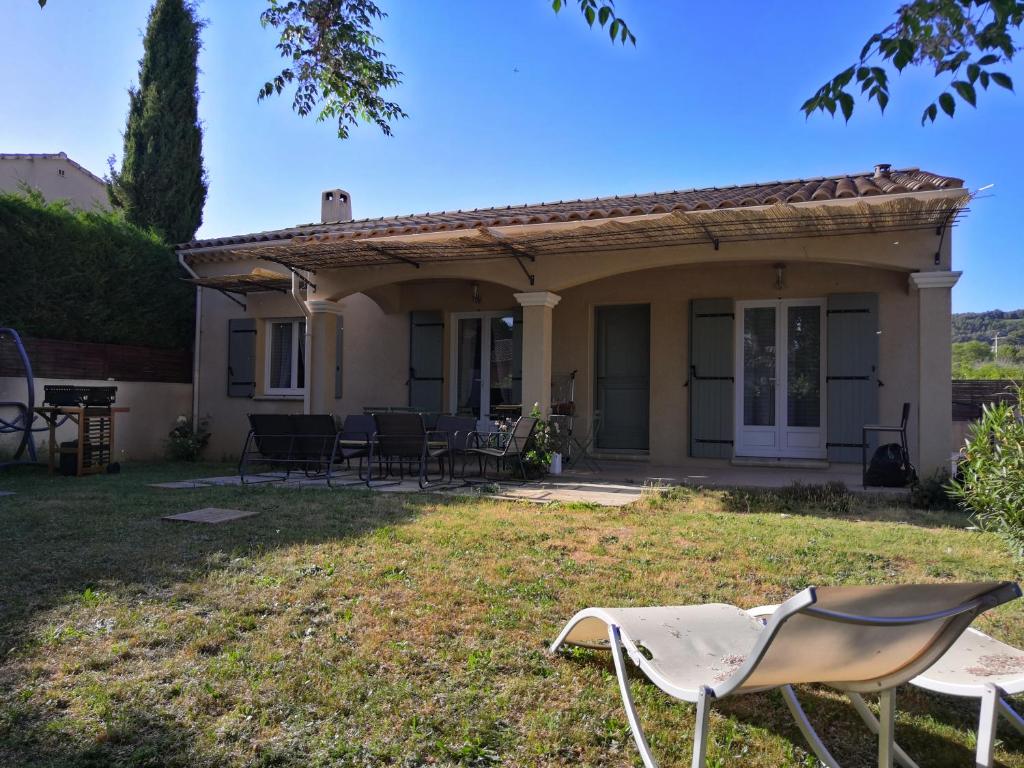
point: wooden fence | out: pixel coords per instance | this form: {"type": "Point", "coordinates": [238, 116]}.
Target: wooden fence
{"type": "Point", "coordinates": [52, 359]}
{"type": "Point", "coordinates": [969, 395]}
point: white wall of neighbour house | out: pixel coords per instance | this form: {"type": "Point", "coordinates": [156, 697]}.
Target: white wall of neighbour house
{"type": "Point", "coordinates": [139, 435]}
{"type": "Point", "coordinates": [56, 177]}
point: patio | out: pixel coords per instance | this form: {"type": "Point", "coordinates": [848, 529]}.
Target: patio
{"type": "Point", "coordinates": [616, 484]}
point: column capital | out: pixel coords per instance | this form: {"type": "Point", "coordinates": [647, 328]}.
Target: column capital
{"type": "Point", "coordinates": [538, 299]}
{"type": "Point", "coordinates": [316, 306]}
{"type": "Point", "coordinates": [937, 279]}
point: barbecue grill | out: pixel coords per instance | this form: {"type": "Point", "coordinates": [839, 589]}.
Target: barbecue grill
{"type": "Point", "coordinates": [72, 395]}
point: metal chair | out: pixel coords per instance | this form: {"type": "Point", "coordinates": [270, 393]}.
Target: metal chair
{"type": "Point", "coordinates": [901, 430]}
{"type": "Point", "coordinates": [512, 446]}
{"type": "Point", "coordinates": [401, 438]}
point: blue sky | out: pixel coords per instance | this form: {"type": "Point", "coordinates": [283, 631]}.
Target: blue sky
{"type": "Point", "coordinates": [510, 103]}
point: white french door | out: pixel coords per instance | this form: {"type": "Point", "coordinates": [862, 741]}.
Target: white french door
{"type": "Point", "coordinates": [780, 381]}
{"type": "Point", "coordinates": [486, 364]}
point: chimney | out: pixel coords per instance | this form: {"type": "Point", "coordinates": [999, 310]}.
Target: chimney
{"type": "Point", "coordinates": [335, 206]}
{"type": "Point", "coordinates": [882, 170]}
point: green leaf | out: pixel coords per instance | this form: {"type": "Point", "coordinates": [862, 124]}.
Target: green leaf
{"type": "Point", "coordinates": [965, 91]}
{"type": "Point", "coordinates": [556, 5]}
{"type": "Point", "coordinates": [984, 79]}
{"type": "Point", "coordinates": [973, 70]}
{"type": "Point", "coordinates": [883, 100]}
{"type": "Point", "coordinates": [590, 15]}
{"type": "Point", "coordinates": [947, 103]}
{"type": "Point", "coordinates": [1003, 80]}
{"type": "Point", "coordinates": [846, 104]}
{"type": "Point", "coordinates": [930, 113]}
{"type": "Point", "coordinates": [988, 59]}
{"type": "Point", "coordinates": [603, 15]}
{"type": "Point", "coordinates": [843, 77]}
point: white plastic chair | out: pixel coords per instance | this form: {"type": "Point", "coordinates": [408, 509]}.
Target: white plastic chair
{"type": "Point", "coordinates": [857, 639]}
{"type": "Point", "coordinates": [977, 667]}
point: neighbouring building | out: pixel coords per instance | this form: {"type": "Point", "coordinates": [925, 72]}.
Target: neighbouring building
{"type": "Point", "coordinates": [760, 323]}
{"type": "Point", "coordinates": [56, 176]}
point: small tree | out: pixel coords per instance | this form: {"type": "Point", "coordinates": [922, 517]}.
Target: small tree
{"type": "Point", "coordinates": [161, 183]}
{"type": "Point", "coordinates": [991, 482]}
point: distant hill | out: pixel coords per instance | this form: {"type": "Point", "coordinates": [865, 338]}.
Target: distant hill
{"type": "Point", "coordinates": [982, 326]}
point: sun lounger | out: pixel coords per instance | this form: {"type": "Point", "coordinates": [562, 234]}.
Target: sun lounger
{"type": "Point", "coordinates": [856, 639]}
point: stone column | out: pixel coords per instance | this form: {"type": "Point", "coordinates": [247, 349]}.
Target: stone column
{"type": "Point", "coordinates": [934, 361]}
{"type": "Point", "coordinates": [321, 338]}
{"type": "Point", "coordinates": [537, 306]}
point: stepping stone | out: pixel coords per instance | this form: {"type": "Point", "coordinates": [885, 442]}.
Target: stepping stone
{"type": "Point", "coordinates": [210, 515]}
{"type": "Point", "coordinates": [179, 484]}
{"type": "Point", "coordinates": [6, 493]}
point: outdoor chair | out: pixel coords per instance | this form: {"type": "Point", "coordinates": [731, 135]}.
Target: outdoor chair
{"type": "Point", "coordinates": [305, 443]}
{"type": "Point", "coordinates": [269, 442]}
{"type": "Point", "coordinates": [857, 638]}
{"type": "Point", "coordinates": [502, 447]}
{"type": "Point", "coordinates": [458, 429]}
{"type": "Point", "coordinates": [976, 667]}
{"type": "Point", "coordinates": [900, 429]}
{"type": "Point", "coordinates": [354, 443]}
{"type": "Point", "coordinates": [402, 439]}
{"type": "Point", "coordinates": [575, 450]}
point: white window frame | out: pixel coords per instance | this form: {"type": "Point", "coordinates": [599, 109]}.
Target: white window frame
{"type": "Point", "coordinates": [297, 338]}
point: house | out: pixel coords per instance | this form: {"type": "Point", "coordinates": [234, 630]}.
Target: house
{"type": "Point", "coordinates": [761, 323]}
{"type": "Point", "coordinates": [56, 177]}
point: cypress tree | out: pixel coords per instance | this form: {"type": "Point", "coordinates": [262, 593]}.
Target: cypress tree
{"type": "Point", "coordinates": [162, 183]}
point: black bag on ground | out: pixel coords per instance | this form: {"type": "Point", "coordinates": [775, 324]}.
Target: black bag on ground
{"type": "Point", "coordinates": [890, 467]}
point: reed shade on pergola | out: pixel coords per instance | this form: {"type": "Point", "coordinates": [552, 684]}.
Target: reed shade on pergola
{"type": "Point", "coordinates": [677, 228]}
{"type": "Point", "coordinates": [257, 281]}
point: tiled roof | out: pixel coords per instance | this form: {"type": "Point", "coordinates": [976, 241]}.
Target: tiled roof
{"type": "Point", "coordinates": [882, 181]}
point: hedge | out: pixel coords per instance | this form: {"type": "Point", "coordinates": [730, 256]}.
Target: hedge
{"type": "Point", "coordinates": [89, 276]}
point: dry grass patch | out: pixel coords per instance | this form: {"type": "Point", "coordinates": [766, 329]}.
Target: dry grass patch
{"type": "Point", "coordinates": [347, 628]}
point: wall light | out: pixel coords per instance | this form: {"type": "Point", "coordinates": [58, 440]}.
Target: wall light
{"type": "Point", "coordinates": [476, 293]}
{"type": "Point", "coordinates": [780, 276]}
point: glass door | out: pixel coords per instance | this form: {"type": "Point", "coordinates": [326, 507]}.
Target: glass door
{"type": "Point", "coordinates": [487, 364]}
{"type": "Point", "coordinates": [779, 389]}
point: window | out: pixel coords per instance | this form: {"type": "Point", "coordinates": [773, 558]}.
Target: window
{"type": "Point", "coordinates": [286, 358]}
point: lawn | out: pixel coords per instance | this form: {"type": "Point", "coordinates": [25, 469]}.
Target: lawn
{"type": "Point", "coordinates": [356, 629]}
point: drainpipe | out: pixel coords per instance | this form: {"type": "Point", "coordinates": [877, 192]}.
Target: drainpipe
{"type": "Point", "coordinates": [308, 341]}
{"type": "Point", "coordinates": [196, 341]}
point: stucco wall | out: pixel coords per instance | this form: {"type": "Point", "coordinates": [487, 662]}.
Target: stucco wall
{"type": "Point", "coordinates": [43, 173]}
{"type": "Point", "coordinates": [669, 291]}
{"type": "Point", "coordinates": [377, 300]}
{"type": "Point", "coordinates": [139, 434]}
{"type": "Point", "coordinates": [374, 367]}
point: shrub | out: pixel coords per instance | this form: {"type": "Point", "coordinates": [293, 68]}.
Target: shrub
{"type": "Point", "coordinates": [933, 493]}
{"type": "Point", "coordinates": [832, 498]}
{"type": "Point", "coordinates": [186, 442]}
{"type": "Point", "coordinates": [540, 449]}
{"type": "Point", "coordinates": [991, 482]}
{"type": "Point", "coordinates": [113, 282]}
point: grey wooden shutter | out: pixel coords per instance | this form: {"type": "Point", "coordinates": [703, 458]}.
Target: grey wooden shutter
{"type": "Point", "coordinates": [852, 372]}
{"type": "Point", "coordinates": [241, 357]}
{"type": "Point", "coordinates": [711, 378]}
{"type": "Point", "coordinates": [339, 349]}
{"type": "Point", "coordinates": [426, 360]}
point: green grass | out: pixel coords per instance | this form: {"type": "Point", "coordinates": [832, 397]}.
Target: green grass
{"type": "Point", "coordinates": [353, 629]}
